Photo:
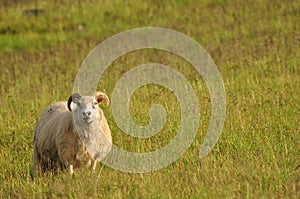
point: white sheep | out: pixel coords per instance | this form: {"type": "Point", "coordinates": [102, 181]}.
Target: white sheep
{"type": "Point", "coordinates": [72, 135]}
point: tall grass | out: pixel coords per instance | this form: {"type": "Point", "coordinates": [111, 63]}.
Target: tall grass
{"type": "Point", "coordinates": [256, 47]}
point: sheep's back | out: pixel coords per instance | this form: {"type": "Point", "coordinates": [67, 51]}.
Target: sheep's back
{"type": "Point", "coordinates": [55, 118]}
{"type": "Point", "coordinates": [104, 125]}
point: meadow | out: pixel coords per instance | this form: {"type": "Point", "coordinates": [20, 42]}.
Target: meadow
{"type": "Point", "coordinates": [255, 45]}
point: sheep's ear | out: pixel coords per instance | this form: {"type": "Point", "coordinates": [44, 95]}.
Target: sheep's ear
{"type": "Point", "coordinates": [100, 96]}
{"type": "Point", "coordinates": [73, 98]}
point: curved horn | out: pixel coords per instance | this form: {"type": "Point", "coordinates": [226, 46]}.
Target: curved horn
{"type": "Point", "coordinates": [73, 98]}
{"type": "Point", "coordinates": [100, 96]}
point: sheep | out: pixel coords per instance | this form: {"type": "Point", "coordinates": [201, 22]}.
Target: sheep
{"type": "Point", "coordinates": [70, 134]}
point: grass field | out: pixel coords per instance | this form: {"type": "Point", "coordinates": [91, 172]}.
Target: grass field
{"type": "Point", "coordinates": [255, 45]}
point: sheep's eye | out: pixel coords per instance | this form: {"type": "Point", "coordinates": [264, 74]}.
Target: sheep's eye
{"type": "Point", "coordinates": [93, 106]}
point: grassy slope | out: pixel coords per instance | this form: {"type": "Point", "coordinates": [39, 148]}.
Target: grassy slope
{"type": "Point", "coordinates": [255, 45]}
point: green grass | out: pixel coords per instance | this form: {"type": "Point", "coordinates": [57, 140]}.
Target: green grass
{"type": "Point", "coordinates": [255, 45]}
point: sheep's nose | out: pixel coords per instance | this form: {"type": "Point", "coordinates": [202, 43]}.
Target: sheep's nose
{"type": "Point", "coordinates": [88, 113]}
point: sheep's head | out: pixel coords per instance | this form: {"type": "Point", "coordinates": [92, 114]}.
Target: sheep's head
{"type": "Point", "coordinates": [87, 106]}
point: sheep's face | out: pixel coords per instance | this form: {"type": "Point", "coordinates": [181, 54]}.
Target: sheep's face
{"type": "Point", "coordinates": [87, 109]}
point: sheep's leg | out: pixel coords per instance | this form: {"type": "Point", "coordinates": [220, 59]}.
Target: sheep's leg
{"type": "Point", "coordinates": [35, 166]}
{"type": "Point", "coordinates": [71, 169]}
{"type": "Point", "coordinates": [94, 165]}
{"type": "Point", "coordinates": [36, 163]}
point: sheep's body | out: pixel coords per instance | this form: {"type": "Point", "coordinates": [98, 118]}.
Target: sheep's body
{"type": "Point", "coordinates": [59, 140]}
